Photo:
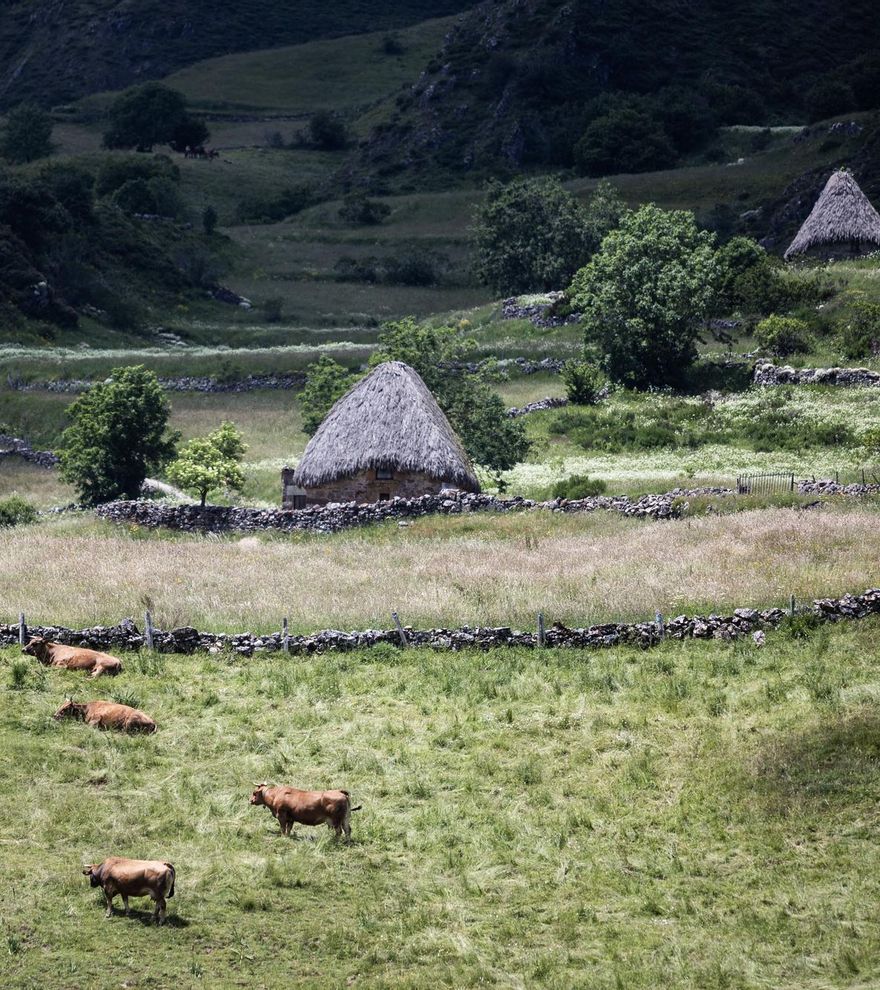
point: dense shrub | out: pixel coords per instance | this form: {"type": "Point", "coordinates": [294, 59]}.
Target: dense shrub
{"type": "Point", "coordinates": [584, 382]}
{"type": "Point", "coordinates": [328, 131]}
{"type": "Point", "coordinates": [115, 172]}
{"type": "Point", "coordinates": [271, 209]}
{"type": "Point", "coordinates": [626, 139]}
{"type": "Point", "coordinates": [578, 486]}
{"type": "Point", "coordinates": [27, 135]}
{"type": "Point", "coordinates": [859, 334]}
{"type": "Point", "coordinates": [150, 114]}
{"type": "Point", "coordinates": [360, 210]}
{"type": "Point", "coordinates": [16, 511]}
{"type": "Point", "coordinates": [829, 97]}
{"type": "Point", "coordinates": [782, 335]}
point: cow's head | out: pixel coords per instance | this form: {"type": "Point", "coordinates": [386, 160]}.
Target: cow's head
{"type": "Point", "coordinates": [93, 873]}
{"type": "Point", "coordinates": [36, 647]}
{"type": "Point", "coordinates": [70, 709]}
{"type": "Point", "coordinates": [258, 797]}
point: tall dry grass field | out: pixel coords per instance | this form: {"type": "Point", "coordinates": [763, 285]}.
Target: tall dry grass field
{"type": "Point", "coordinates": [480, 569]}
{"type": "Point", "coordinates": [700, 816]}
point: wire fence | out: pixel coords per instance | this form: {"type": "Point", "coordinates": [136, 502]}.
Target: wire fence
{"type": "Point", "coordinates": [780, 482]}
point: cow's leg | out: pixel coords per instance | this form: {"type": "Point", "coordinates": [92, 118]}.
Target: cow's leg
{"type": "Point", "coordinates": [284, 822]}
{"type": "Point", "coordinates": [346, 825]}
{"type": "Point", "coordinates": [159, 913]}
{"type": "Point", "coordinates": [125, 903]}
{"type": "Point", "coordinates": [108, 896]}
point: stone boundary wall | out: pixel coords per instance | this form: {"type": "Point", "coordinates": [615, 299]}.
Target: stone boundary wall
{"type": "Point", "coordinates": [337, 516]}
{"type": "Point", "coordinates": [743, 622]}
{"type": "Point", "coordinates": [767, 373]}
{"type": "Point", "coordinates": [17, 447]}
{"type": "Point", "coordinates": [186, 383]}
{"type": "Point", "coordinates": [551, 402]}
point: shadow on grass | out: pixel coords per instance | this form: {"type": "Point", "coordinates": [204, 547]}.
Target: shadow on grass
{"type": "Point", "coordinates": [833, 762]}
{"type": "Point", "coordinates": [146, 918]}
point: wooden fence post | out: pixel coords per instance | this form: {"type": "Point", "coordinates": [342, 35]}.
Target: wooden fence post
{"type": "Point", "coordinates": [541, 638]}
{"type": "Point", "coordinates": [285, 636]}
{"type": "Point", "coordinates": [148, 630]}
{"type": "Point", "coordinates": [22, 631]}
{"type": "Point", "coordinates": [403, 640]}
{"type": "Point", "coordinates": [791, 605]}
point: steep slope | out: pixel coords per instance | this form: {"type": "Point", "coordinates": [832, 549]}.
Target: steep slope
{"type": "Point", "coordinates": [516, 83]}
{"type": "Point", "coordinates": [57, 50]}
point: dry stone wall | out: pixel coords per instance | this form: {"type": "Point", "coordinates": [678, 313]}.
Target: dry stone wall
{"type": "Point", "coordinates": [767, 373]}
{"type": "Point", "coordinates": [17, 447]}
{"type": "Point", "coordinates": [186, 383]}
{"type": "Point", "coordinates": [742, 622]}
{"type": "Point", "coordinates": [336, 516]}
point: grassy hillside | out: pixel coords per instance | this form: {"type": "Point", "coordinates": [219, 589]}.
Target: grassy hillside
{"type": "Point", "coordinates": [700, 816]}
{"type": "Point", "coordinates": [54, 52]}
{"type": "Point", "coordinates": [515, 83]}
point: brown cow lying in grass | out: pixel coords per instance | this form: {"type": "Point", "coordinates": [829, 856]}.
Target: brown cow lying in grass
{"type": "Point", "coordinates": [107, 715]}
{"type": "Point", "coordinates": [289, 805]}
{"type": "Point", "coordinates": [133, 878]}
{"type": "Point", "coordinates": [72, 657]}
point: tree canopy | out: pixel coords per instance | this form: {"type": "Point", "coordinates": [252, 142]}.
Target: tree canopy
{"type": "Point", "coordinates": [152, 114]}
{"type": "Point", "coordinates": [645, 293]}
{"type": "Point", "coordinates": [118, 435]}
{"type": "Point", "coordinates": [208, 464]}
{"type": "Point", "coordinates": [27, 135]}
{"type": "Point", "coordinates": [533, 235]}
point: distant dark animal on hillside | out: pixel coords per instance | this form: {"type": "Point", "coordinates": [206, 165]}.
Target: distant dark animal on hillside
{"type": "Point", "coordinates": [289, 805]}
{"type": "Point", "coordinates": [107, 715]}
{"type": "Point", "coordinates": [200, 152]}
{"type": "Point", "coordinates": [72, 657]}
{"type": "Point", "coordinates": [133, 878]}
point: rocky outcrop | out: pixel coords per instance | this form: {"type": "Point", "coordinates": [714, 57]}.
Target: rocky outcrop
{"type": "Point", "coordinates": [17, 447]}
{"type": "Point", "coordinates": [767, 373]}
{"type": "Point", "coordinates": [742, 622]}
{"type": "Point", "coordinates": [335, 516]}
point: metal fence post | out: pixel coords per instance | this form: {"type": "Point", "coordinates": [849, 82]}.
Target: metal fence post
{"type": "Point", "coordinates": [148, 630]}
{"type": "Point", "coordinates": [403, 640]}
{"type": "Point", "coordinates": [541, 637]}
{"type": "Point", "coordinates": [22, 631]}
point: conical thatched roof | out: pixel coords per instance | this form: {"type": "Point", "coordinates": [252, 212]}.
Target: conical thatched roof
{"type": "Point", "coordinates": [387, 420]}
{"type": "Point", "coordinates": [843, 213]}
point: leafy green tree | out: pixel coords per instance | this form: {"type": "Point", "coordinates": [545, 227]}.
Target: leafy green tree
{"type": "Point", "coordinates": [118, 435]}
{"type": "Point", "coordinates": [326, 381]}
{"type": "Point", "coordinates": [27, 135]}
{"type": "Point", "coordinates": [475, 410]}
{"type": "Point", "coordinates": [207, 464]}
{"type": "Point", "coordinates": [151, 114]}
{"type": "Point", "coordinates": [328, 131]}
{"type": "Point", "coordinates": [645, 293]}
{"type": "Point", "coordinates": [782, 335]}
{"type": "Point", "coordinates": [602, 213]}
{"type": "Point", "coordinates": [530, 234]}
{"type": "Point", "coordinates": [626, 139]}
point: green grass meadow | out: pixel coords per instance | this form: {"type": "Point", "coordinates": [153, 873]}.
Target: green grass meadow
{"type": "Point", "coordinates": [700, 816]}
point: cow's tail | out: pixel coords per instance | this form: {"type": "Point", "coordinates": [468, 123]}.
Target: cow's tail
{"type": "Point", "coordinates": [169, 891]}
{"type": "Point", "coordinates": [357, 808]}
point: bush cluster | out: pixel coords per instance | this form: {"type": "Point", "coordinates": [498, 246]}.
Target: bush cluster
{"type": "Point", "coordinates": [16, 511]}
{"type": "Point", "coordinates": [578, 486]}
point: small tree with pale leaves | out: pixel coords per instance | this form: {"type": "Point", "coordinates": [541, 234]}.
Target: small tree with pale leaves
{"type": "Point", "coordinates": [208, 464]}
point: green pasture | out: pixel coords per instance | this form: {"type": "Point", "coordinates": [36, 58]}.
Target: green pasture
{"type": "Point", "coordinates": [701, 816]}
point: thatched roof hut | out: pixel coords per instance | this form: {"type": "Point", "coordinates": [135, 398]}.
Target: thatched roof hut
{"type": "Point", "coordinates": [842, 222]}
{"type": "Point", "coordinates": [388, 430]}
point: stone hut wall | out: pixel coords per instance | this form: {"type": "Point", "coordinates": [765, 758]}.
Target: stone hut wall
{"type": "Point", "coordinates": [366, 488]}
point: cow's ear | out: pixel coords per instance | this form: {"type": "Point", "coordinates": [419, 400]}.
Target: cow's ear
{"type": "Point", "coordinates": [87, 871]}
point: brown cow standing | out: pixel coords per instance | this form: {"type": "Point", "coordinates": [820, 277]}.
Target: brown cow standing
{"type": "Point", "coordinates": [107, 715]}
{"type": "Point", "coordinates": [72, 657]}
{"type": "Point", "coordinates": [133, 878]}
{"type": "Point", "coordinates": [289, 805]}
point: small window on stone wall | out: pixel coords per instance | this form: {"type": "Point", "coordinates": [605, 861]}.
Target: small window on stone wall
{"type": "Point", "coordinates": [384, 496]}
{"type": "Point", "coordinates": [384, 474]}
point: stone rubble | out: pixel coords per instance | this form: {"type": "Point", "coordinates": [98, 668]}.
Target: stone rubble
{"type": "Point", "coordinates": [515, 309]}
{"type": "Point", "coordinates": [16, 446]}
{"type": "Point", "coordinates": [186, 383]}
{"type": "Point", "coordinates": [743, 622]}
{"type": "Point", "coordinates": [337, 516]}
{"type": "Point", "coordinates": [551, 402]}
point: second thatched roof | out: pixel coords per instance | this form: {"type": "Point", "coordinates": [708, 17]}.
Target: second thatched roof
{"type": "Point", "coordinates": [390, 420]}
{"type": "Point", "coordinates": [843, 213]}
